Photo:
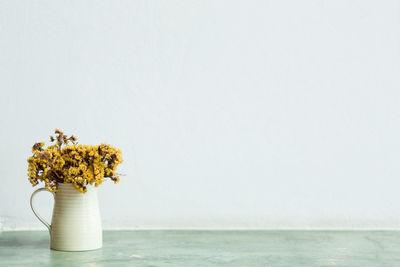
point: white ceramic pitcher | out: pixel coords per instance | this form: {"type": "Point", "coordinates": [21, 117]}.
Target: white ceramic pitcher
{"type": "Point", "coordinates": [76, 224]}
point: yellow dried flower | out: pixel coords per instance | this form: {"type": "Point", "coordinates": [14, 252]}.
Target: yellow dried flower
{"type": "Point", "coordinates": [79, 165]}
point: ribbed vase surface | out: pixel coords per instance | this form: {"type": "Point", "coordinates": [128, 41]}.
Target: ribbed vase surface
{"type": "Point", "coordinates": [76, 223]}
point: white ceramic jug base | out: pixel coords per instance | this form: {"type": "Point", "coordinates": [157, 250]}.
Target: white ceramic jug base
{"type": "Point", "coordinates": [92, 242]}
{"type": "Point", "coordinates": [82, 242]}
{"type": "Point", "coordinates": [74, 249]}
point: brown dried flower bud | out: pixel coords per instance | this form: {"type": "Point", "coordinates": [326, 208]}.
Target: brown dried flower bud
{"type": "Point", "coordinates": [44, 155]}
{"type": "Point", "coordinates": [38, 146]}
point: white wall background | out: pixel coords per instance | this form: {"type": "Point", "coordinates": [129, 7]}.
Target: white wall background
{"type": "Point", "coordinates": [230, 114]}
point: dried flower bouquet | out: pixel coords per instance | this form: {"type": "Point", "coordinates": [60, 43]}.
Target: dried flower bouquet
{"type": "Point", "coordinates": [68, 162]}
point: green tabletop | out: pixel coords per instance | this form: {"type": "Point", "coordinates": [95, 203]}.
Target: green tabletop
{"type": "Point", "coordinates": [210, 248]}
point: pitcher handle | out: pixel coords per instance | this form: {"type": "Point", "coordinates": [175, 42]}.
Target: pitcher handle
{"type": "Point", "coordinates": [34, 211]}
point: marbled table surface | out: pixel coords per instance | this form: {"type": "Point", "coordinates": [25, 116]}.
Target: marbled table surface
{"type": "Point", "coordinates": [210, 248]}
